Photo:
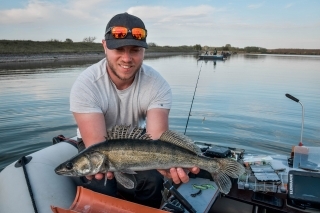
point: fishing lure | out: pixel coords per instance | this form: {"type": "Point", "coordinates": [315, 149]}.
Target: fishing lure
{"type": "Point", "coordinates": [203, 186]}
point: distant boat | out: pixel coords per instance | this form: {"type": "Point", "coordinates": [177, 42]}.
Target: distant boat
{"type": "Point", "coordinates": [211, 57]}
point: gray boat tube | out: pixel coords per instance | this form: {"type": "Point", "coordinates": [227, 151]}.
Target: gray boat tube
{"type": "Point", "coordinates": [47, 188]}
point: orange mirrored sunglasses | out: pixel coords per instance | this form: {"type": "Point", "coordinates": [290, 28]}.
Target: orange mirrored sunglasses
{"type": "Point", "coordinates": [122, 32]}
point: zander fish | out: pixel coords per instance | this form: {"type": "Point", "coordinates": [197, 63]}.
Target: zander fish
{"type": "Point", "coordinates": [126, 151]}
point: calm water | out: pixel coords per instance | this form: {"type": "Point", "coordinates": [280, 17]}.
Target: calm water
{"type": "Point", "coordinates": [239, 102]}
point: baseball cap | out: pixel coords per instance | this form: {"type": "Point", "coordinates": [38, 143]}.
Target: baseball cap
{"type": "Point", "coordinates": [128, 21]}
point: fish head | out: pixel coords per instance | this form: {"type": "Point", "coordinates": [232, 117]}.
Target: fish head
{"type": "Point", "coordinates": [83, 164]}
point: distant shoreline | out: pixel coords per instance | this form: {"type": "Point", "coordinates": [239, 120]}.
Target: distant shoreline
{"type": "Point", "coordinates": [21, 51]}
{"type": "Point", "coordinates": [46, 57]}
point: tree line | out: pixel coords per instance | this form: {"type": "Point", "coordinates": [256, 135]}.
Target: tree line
{"type": "Point", "coordinates": [258, 50]}
{"type": "Point", "coordinates": [69, 40]}
{"type": "Point", "coordinates": [88, 45]}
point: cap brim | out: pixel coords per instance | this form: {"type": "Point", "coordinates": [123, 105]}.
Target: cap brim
{"type": "Point", "coordinates": [116, 43]}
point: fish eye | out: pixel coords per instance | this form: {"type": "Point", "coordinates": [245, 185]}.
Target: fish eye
{"type": "Point", "coordinates": [69, 165]}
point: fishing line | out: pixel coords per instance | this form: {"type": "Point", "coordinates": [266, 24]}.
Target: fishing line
{"type": "Point", "coordinates": [195, 89]}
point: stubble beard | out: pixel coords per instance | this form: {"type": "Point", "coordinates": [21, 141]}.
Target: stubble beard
{"type": "Point", "coordinates": [113, 70]}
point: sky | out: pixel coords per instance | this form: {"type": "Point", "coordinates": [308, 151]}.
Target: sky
{"type": "Point", "coordinates": [269, 24]}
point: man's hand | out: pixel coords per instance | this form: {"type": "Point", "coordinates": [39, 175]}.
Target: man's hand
{"type": "Point", "coordinates": [179, 175]}
{"type": "Point", "coordinates": [99, 176]}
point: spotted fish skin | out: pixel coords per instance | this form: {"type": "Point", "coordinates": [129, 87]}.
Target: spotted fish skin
{"type": "Point", "coordinates": [127, 150]}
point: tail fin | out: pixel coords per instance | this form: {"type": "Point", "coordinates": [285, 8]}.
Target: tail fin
{"type": "Point", "coordinates": [227, 167]}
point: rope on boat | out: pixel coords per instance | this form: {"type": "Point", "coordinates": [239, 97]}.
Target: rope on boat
{"type": "Point", "coordinates": [23, 162]}
{"type": "Point", "coordinates": [195, 89]}
{"type": "Point", "coordinates": [62, 138]}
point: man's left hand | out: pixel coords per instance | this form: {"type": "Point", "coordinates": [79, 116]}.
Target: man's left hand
{"type": "Point", "coordinates": [179, 175]}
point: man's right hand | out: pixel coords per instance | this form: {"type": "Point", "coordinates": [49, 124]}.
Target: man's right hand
{"type": "Point", "coordinates": [100, 176]}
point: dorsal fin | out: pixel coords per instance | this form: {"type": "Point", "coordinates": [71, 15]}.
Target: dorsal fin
{"type": "Point", "coordinates": [180, 140]}
{"type": "Point", "coordinates": [126, 132]}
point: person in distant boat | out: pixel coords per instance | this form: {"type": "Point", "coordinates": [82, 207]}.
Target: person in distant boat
{"type": "Point", "coordinates": [215, 51]}
{"type": "Point", "coordinates": [121, 90]}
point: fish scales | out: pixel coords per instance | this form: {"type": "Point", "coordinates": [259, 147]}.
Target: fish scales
{"type": "Point", "coordinates": [126, 151]}
{"type": "Point", "coordinates": [142, 155]}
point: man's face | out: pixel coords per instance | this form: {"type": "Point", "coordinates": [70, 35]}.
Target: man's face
{"type": "Point", "coordinates": [124, 62]}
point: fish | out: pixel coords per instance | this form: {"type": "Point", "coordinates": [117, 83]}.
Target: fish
{"type": "Point", "coordinates": [128, 150]}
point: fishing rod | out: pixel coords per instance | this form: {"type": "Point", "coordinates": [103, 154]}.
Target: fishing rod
{"type": "Point", "coordinates": [195, 89]}
{"type": "Point", "coordinates": [298, 101]}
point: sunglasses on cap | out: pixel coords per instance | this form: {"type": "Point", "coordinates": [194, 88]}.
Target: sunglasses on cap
{"type": "Point", "coordinates": [122, 32]}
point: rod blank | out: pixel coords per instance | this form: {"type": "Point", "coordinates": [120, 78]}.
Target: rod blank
{"type": "Point", "coordinates": [302, 121]}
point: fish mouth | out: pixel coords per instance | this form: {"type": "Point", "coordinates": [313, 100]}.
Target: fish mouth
{"type": "Point", "coordinates": [62, 171]}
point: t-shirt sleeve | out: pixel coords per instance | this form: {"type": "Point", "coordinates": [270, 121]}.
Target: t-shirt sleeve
{"type": "Point", "coordinates": [83, 96]}
{"type": "Point", "coordinates": [161, 95]}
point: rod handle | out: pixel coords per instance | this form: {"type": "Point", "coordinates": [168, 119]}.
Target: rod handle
{"type": "Point", "coordinates": [179, 197]}
{"type": "Point", "coordinates": [292, 98]}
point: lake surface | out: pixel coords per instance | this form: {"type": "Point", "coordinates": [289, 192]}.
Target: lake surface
{"type": "Point", "coordinates": [239, 102]}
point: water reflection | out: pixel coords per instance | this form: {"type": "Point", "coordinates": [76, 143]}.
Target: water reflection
{"type": "Point", "coordinates": [238, 102]}
{"type": "Point", "coordinates": [209, 62]}
{"type": "Point", "coordinates": [7, 69]}
{"type": "Point", "coordinates": [282, 57]}
{"type": "Point", "coordinates": [35, 67]}
{"type": "Point", "coordinates": [254, 56]}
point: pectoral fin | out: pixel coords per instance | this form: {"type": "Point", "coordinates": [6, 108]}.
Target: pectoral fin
{"type": "Point", "coordinates": [127, 180]}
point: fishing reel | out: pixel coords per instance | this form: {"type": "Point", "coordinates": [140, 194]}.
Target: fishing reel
{"type": "Point", "coordinates": [173, 205]}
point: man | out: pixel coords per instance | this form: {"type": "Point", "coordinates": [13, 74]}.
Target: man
{"type": "Point", "coordinates": [215, 51]}
{"type": "Point", "coordinates": [121, 90]}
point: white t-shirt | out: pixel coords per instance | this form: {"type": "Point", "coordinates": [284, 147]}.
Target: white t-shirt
{"type": "Point", "coordinates": [94, 92]}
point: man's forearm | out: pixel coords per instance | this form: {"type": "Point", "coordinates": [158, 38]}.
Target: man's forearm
{"type": "Point", "coordinates": [92, 127]}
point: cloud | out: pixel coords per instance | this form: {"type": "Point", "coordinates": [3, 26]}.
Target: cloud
{"type": "Point", "coordinates": [44, 11]}
{"type": "Point", "coordinates": [172, 15]}
{"type": "Point", "coordinates": [288, 5]}
{"type": "Point", "coordinates": [177, 26]}
{"type": "Point", "coordinates": [255, 6]}
{"type": "Point", "coordinates": [167, 25]}
{"type": "Point", "coordinates": [35, 10]}
{"type": "Point", "coordinates": [85, 5]}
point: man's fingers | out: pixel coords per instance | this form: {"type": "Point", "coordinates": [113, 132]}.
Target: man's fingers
{"type": "Point", "coordinates": [89, 177]}
{"type": "Point", "coordinates": [194, 170]}
{"type": "Point", "coordinates": [182, 175]}
{"type": "Point", "coordinates": [110, 175]}
{"type": "Point", "coordinates": [179, 175]}
{"type": "Point", "coordinates": [99, 176]}
{"type": "Point", "coordinates": [175, 176]}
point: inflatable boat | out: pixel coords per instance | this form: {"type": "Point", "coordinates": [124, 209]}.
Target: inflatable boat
{"type": "Point", "coordinates": [30, 184]}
